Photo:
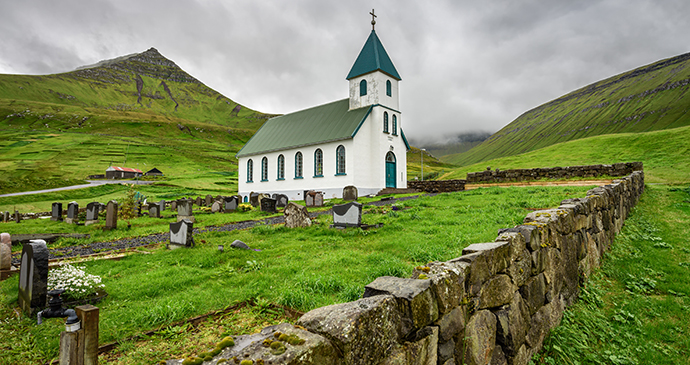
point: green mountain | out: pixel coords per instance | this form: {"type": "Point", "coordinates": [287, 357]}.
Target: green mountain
{"type": "Point", "coordinates": [649, 98]}
{"type": "Point", "coordinates": [140, 111]}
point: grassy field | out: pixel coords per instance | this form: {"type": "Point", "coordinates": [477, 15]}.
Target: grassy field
{"type": "Point", "coordinates": [298, 268]}
{"type": "Point", "coordinates": [636, 310]}
{"type": "Point", "coordinates": [662, 152]}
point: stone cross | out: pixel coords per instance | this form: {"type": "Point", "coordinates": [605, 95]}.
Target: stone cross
{"type": "Point", "coordinates": [56, 212]}
{"type": "Point", "coordinates": [92, 213]}
{"type": "Point", "coordinates": [181, 234]}
{"type": "Point", "coordinates": [347, 215]}
{"type": "Point", "coordinates": [72, 213]}
{"type": "Point", "coordinates": [33, 276]}
{"type": "Point", "coordinates": [111, 216]}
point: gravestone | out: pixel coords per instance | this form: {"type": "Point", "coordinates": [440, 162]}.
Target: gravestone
{"type": "Point", "coordinates": [17, 217]}
{"type": "Point", "coordinates": [199, 202]}
{"type": "Point", "coordinates": [56, 212]}
{"type": "Point", "coordinates": [318, 200]}
{"type": "Point", "coordinates": [111, 216]}
{"type": "Point", "coordinates": [296, 216]}
{"type": "Point", "coordinates": [33, 276]}
{"type": "Point", "coordinates": [350, 193]}
{"type": "Point", "coordinates": [155, 209]}
{"type": "Point", "coordinates": [173, 205]}
{"type": "Point", "coordinates": [254, 199]}
{"type": "Point", "coordinates": [6, 217]}
{"type": "Point", "coordinates": [274, 196]}
{"type": "Point", "coordinates": [239, 199]}
{"type": "Point", "coordinates": [184, 210]}
{"type": "Point", "coordinates": [208, 201]}
{"type": "Point", "coordinates": [230, 203]}
{"type": "Point", "coordinates": [5, 251]}
{"type": "Point", "coordinates": [215, 208]}
{"type": "Point", "coordinates": [347, 215]}
{"type": "Point", "coordinates": [92, 210]}
{"type": "Point", "coordinates": [72, 213]}
{"type": "Point", "coordinates": [181, 234]}
{"type": "Point", "coordinates": [281, 200]}
{"type": "Point", "coordinates": [268, 205]}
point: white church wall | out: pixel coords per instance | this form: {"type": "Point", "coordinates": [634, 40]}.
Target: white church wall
{"type": "Point", "coordinates": [376, 91]}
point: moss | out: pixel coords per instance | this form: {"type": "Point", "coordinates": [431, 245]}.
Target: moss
{"type": "Point", "coordinates": [260, 362]}
{"type": "Point", "coordinates": [208, 358]}
{"type": "Point", "coordinates": [192, 360]}
{"type": "Point", "coordinates": [222, 360]}
{"type": "Point", "coordinates": [276, 345]}
{"type": "Point", "coordinates": [294, 340]}
{"type": "Point", "coordinates": [283, 337]}
{"type": "Point", "coordinates": [247, 362]}
{"type": "Point", "coordinates": [226, 342]}
{"type": "Point", "coordinates": [267, 343]}
{"type": "Point", "coordinates": [422, 277]}
{"type": "Point", "coordinates": [425, 269]}
{"type": "Point", "coordinates": [277, 334]}
{"type": "Point", "coordinates": [300, 327]}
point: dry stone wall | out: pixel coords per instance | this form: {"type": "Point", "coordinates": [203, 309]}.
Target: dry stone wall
{"type": "Point", "coordinates": [617, 169]}
{"type": "Point", "coordinates": [437, 186]}
{"type": "Point", "coordinates": [495, 304]}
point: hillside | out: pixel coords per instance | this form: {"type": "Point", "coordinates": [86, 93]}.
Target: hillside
{"type": "Point", "coordinates": [140, 110]}
{"type": "Point", "coordinates": [652, 97]}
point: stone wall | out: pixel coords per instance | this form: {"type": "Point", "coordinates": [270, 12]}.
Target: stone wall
{"type": "Point", "coordinates": [437, 186]}
{"type": "Point", "coordinates": [493, 305]}
{"type": "Point", "coordinates": [617, 169]}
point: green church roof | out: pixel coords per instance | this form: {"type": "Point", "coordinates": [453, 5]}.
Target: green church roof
{"type": "Point", "coordinates": [320, 124]}
{"type": "Point", "coordinates": [371, 58]}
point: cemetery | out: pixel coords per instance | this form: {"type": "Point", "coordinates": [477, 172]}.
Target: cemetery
{"type": "Point", "coordinates": [237, 258]}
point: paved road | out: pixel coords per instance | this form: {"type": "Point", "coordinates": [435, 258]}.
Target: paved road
{"type": "Point", "coordinates": [91, 183]}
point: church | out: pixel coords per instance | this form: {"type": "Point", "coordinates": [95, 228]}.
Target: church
{"type": "Point", "coordinates": [354, 141]}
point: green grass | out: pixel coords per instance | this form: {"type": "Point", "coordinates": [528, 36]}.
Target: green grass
{"type": "Point", "coordinates": [298, 268]}
{"type": "Point", "coordinates": [636, 310]}
{"type": "Point", "coordinates": [650, 98]}
{"type": "Point", "coordinates": [662, 153]}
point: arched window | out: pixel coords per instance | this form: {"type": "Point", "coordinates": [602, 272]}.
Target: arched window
{"type": "Point", "coordinates": [395, 125]}
{"type": "Point", "coordinates": [250, 170]}
{"type": "Point", "coordinates": [362, 87]}
{"type": "Point", "coordinates": [388, 87]}
{"type": "Point", "coordinates": [340, 160]}
{"type": "Point", "coordinates": [281, 167]}
{"type": "Point", "coordinates": [264, 169]}
{"type": "Point", "coordinates": [385, 122]}
{"type": "Point", "coordinates": [318, 163]}
{"type": "Point", "coordinates": [298, 165]}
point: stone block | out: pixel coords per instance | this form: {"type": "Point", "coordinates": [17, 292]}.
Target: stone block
{"type": "Point", "coordinates": [421, 350]}
{"type": "Point", "coordinates": [539, 261]}
{"type": "Point", "coordinates": [364, 331]}
{"type": "Point", "coordinates": [497, 254]}
{"type": "Point", "coordinates": [512, 324]}
{"type": "Point", "coordinates": [447, 282]}
{"type": "Point", "coordinates": [452, 323]}
{"type": "Point", "coordinates": [520, 268]}
{"type": "Point", "coordinates": [497, 291]}
{"type": "Point", "coordinates": [532, 234]}
{"type": "Point", "coordinates": [480, 335]}
{"type": "Point", "coordinates": [516, 240]}
{"type": "Point", "coordinates": [546, 318]}
{"type": "Point", "coordinates": [533, 292]}
{"type": "Point", "coordinates": [414, 295]}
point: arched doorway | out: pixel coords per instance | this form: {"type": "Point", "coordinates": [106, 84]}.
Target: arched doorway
{"type": "Point", "coordinates": [390, 170]}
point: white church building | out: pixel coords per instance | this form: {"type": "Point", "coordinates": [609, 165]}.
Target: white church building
{"type": "Point", "coordinates": [355, 141]}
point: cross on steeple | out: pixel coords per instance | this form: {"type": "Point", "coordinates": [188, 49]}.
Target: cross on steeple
{"type": "Point", "coordinates": [373, 21]}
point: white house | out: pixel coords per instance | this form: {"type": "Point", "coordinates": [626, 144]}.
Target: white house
{"type": "Point", "coordinates": [355, 141]}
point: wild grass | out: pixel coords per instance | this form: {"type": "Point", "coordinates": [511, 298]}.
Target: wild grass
{"type": "Point", "coordinates": [299, 268]}
{"type": "Point", "coordinates": [636, 309]}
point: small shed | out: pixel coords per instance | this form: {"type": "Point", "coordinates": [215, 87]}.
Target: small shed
{"type": "Point", "coordinates": [154, 172]}
{"type": "Point", "coordinates": [116, 172]}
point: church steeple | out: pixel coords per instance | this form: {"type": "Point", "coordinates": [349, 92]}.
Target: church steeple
{"type": "Point", "coordinates": [373, 57]}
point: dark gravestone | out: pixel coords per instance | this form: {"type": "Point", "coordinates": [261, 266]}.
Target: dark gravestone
{"type": "Point", "coordinates": [282, 200]}
{"type": "Point", "coordinates": [111, 216]}
{"type": "Point", "coordinates": [350, 193]}
{"type": "Point", "coordinates": [309, 198]}
{"type": "Point", "coordinates": [254, 199]}
{"type": "Point", "coordinates": [173, 206]}
{"type": "Point", "coordinates": [274, 196]}
{"type": "Point", "coordinates": [33, 276]}
{"type": "Point", "coordinates": [239, 199]}
{"type": "Point", "coordinates": [92, 213]}
{"type": "Point", "coordinates": [56, 212]}
{"type": "Point", "coordinates": [208, 201]}
{"type": "Point", "coordinates": [199, 201]}
{"type": "Point", "coordinates": [268, 205]}
{"type": "Point", "coordinates": [155, 210]}
{"type": "Point", "coordinates": [184, 210]}
{"type": "Point", "coordinates": [17, 217]}
{"type": "Point", "coordinates": [6, 217]}
{"type": "Point", "coordinates": [72, 213]}
{"type": "Point", "coordinates": [181, 234]}
{"type": "Point", "coordinates": [347, 215]}
{"type": "Point", "coordinates": [318, 200]}
{"type": "Point", "coordinates": [230, 203]}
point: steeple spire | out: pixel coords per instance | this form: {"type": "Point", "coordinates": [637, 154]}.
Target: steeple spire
{"type": "Point", "coordinates": [373, 20]}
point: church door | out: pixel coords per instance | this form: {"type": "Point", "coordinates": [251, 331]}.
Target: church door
{"type": "Point", "coordinates": [390, 170]}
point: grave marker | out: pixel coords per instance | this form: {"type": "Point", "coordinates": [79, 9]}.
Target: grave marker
{"type": "Point", "coordinates": [350, 193]}
{"type": "Point", "coordinates": [230, 203]}
{"type": "Point", "coordinates": [254, 199]}
{"type": "Point", "coordinates": [17, 217]}
{"type": "Point", "coordinates": [33, 276]}
{"type": "Point", "coordinates": [268, 205]}
{"type": "Point", "coordinates": [56, 212]}
{"type": "Point", "coordinates": [184, 210]}
{"type": "Point", "coordinates": [92, 210]}
{"type": "Point", "coordinates": [318, 200]}
{"type": "Point", "coordinates": [347, 215]}
{"type": "Point", "coordinates": [6, 217]}
{"type": "Point", "coordinates": [296, 216]}
{"type": "Point", "coordinates": [215, 208]}
{"type": "Point", "coordinates": [173, 205]}
{"type": "Point", "coordinates": [155, 209]}
{"type": "Point", "coordinates": [5, 252]}
{"type": "Point", "coordinates": [309, 198]}
{"type": "Point", "coordinates": [72, 213]}
{"type": "Point", "coordinates": [181, 234]}
{"type": "Point", "coordinates": [208, 201]}
{"type": "Point", "coordinates": [199, 202]}
{"type": "Point", "coordinates": [282, 200]}
{"type": "Point", "coordinates": [111, 216]}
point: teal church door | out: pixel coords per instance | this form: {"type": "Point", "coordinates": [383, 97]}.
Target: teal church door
{"type": "Point", "coordinates": [390, 170]}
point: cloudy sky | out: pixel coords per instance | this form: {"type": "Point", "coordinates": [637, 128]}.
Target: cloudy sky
{"type": "Point", "coordinates": [466, 65]}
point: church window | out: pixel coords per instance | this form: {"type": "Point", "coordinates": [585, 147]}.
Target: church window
{"type": "Point", "coordinates": [395, 125]}
{"type": "Point", "coordinates": [264, 169]}
{"type": "Point", "coordinates": [298, 165]}
{"type": "Point", "coordinates": [250, 170]}
{"type": "Point", "coordinates": [318, 163]}
{"type": "Point", "coordinates": [362, 87]}
{"type": "Point", "coordinates": [281, 167]}
{"type": "Point", "coordinates": [385, 122]}
{"type": "Point", "coordinates": [340, 160]}
{"type": "Point", "coordinates": [388, 87]}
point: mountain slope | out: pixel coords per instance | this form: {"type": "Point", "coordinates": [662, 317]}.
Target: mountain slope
{"type": "Point", "coordinates": [648, 98]}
